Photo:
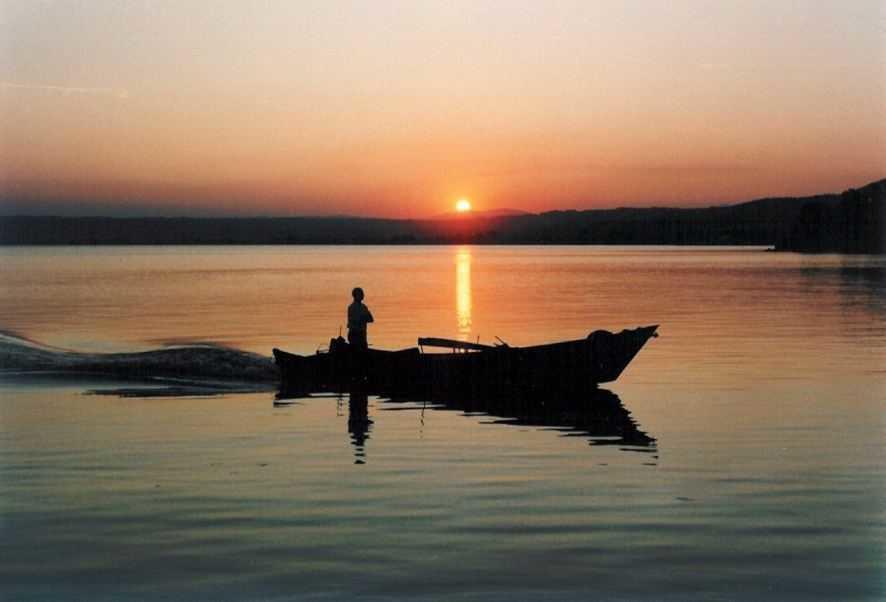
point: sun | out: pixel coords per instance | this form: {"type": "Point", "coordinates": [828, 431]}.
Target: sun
{"type": "Point", "coordinates": [463, 205]}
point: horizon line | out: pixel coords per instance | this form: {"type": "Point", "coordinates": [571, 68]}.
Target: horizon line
{"type": "Point", "coordinates": [479, 214]}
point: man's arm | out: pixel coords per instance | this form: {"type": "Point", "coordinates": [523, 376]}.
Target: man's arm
{"type": "Point", "coordinates": [368, 315]}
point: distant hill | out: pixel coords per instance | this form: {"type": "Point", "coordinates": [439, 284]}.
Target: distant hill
{"type": "Point", "coordinates": [854, 222]}
{"type": "Point", "coordinates": [848, 222]}
{"type": "Point", "coordinates": [491, 213]}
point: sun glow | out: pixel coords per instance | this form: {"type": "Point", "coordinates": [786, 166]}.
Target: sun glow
{"type": "Point", "coordinates": [463, 205]}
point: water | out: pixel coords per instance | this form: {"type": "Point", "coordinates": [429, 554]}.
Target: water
{"type": "Point", "coordinates": [742, 458]}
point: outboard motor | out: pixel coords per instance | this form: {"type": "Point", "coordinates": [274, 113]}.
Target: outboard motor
{"type": "Point", "coordinates": [338, 345]}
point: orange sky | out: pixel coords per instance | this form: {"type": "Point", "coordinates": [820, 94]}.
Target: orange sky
{"type": "Point", "coordinates": [399, 108]}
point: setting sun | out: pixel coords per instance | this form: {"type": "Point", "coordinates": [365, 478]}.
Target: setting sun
{"type": "Point", "coordinates": [463, 205]}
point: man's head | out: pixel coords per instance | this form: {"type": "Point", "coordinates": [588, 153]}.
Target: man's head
{"type": "Point", "coordinates": [357, 294]}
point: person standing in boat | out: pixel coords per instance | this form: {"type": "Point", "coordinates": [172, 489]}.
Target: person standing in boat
{"type": "Point", "coordinates": [358, 317]}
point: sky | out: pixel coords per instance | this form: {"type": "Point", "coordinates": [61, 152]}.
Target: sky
{"type": "Point", "coordinates": [399, 108]}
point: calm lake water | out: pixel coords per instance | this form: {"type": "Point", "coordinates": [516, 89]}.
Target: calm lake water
{"type": "Point", "coordinates": [744, 456]}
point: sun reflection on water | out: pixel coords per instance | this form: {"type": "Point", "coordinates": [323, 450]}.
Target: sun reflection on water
{"type": "Point", "coordinates": [463, 292]}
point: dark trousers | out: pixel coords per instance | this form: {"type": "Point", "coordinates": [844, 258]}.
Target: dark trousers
{"type": "Point", "coordinates": [358, 340]}
{"type": "Point", "coordinates": [359, 346]}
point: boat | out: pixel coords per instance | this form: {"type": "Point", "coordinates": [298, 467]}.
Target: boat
{"type": "Point", "coordinates": [574, 365]}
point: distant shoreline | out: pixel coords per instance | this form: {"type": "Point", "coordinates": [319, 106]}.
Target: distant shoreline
{"type": "Point", "coordinates": [850, 222]}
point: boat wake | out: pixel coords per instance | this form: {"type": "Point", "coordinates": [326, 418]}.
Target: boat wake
{"type": "Point", "coordinates": [196, 369]}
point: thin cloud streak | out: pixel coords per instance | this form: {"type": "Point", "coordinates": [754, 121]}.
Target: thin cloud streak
{"type": "Point", "coordinates": [68, 90]}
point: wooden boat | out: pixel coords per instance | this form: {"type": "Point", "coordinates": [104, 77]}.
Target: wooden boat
{"type": "Point", "coordinates": [578, 364]}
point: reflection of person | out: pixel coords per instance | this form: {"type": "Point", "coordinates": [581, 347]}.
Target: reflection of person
{"type": "Point", "coordinates": [358, 317]}
{"type": "Point", "coordinates": [359, 423]}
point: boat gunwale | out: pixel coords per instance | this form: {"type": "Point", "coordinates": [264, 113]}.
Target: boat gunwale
{"type": "Point", "coordinates": [641, 330]}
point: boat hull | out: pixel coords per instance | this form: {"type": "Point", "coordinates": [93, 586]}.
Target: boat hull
{"type": "Point", "coordinates": [572, 365]}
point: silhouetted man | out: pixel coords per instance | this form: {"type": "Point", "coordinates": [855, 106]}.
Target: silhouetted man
{"type": "Point", "coordinates": [358, 317]}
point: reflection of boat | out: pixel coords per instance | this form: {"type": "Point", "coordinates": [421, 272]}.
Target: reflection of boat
{"type": "Point", "coordinates": [598, 415]}
{"type": "Point", "coordinates": [580, 364]}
